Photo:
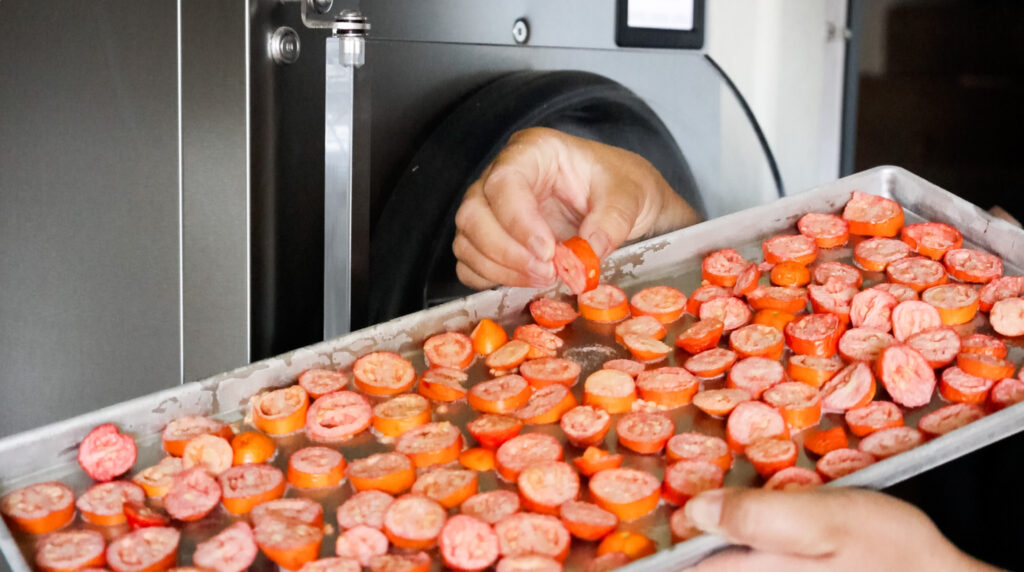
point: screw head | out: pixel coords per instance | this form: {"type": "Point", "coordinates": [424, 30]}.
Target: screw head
{"type": "Point", "coordinates": [285, 46]}
{"type": "Point", "coordinates": [521, 31]}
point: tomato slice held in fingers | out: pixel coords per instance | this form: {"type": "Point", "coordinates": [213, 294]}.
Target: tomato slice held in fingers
{"type": "Point", "coordinates": [594, 460]}
{"type": "Point", "coordinates": [450, 349]}
{"type": "Point", "coordinates": [281, 411]}
{"type": "Point", "coordinates": [400, 414]}
{"type": "Point", "coordinates": [577, 265]}
{"type": "Point", "coordinates": [872, 215]}
{"type": "Point", "coordinates": [39, 508]}
{"type": "Point", "coordinates": [975, 266]}
{"type": "Point", "coordinates": [825, 441]}
{"type": "Point", "coordinates": [449, 487]}
{"type": "Point", "coordinates": [392, 473]}
{"type": "Point", "coordinates": [488, 336]}
{"type": "Point", "coordinates": [687, 479]}
{"type": "Point", "coordinates": [700, 336]}
{"type": "Point", "coordinates": [443, 384]}
{"type": "Point", "coordinates": [315, 468]}
{"type": "Point", "coordinates": [720, 402]}
{"type": "Point", "coordinates": [931, 239]}
{"type": "Point", "coordinates": [493, 430]}
{"type": "Point", "coordinates": [827, 230]}
{"type": "Point", "coordinates": [387, 373]}
{"type": "Point", "coordinates": [604, 304]}
{"type": "Point", "coordinates": [552, 314]}
{"type": "Point", "coordinates": [431, 444]}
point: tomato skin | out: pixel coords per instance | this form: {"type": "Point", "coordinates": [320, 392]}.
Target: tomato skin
{"type": "Point", "coordinates": [826, 440]}
{"type": "Point", "coordinates": [141, 516]}
{"type": "Point", "coordinates": [285, 422]}
{"type": "Point", "coordinates": [252, 447]}
{"type": "Point", "coordinates": [58, 517]}
{"type": "Point", "coordinates": [632, 544]}
{"type": "Point", "coordinates": [490, 436]}
{"type": "Point", "coordinates": [595, 459]}
{"type": "Point", "coordinates": [700, 336]}
{"type": "Point", "coordinates": [478, 459]}
{"type": "Point", "coordinates": [487, 337]}
{"type": "Point", "coordinates": [577, 265]}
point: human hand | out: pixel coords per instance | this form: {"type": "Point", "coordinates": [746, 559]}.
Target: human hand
{"type": "Point", "coordinates": [546, 186]}
{"type": "Point", "coordinates": [824, 529]}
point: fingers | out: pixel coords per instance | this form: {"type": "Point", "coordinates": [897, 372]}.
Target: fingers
{"type": "Point", "coordinates": [804, 524]}
{"type": "Point", "coordinates": [612, 218]}
{"type": "Point", "coordinates": [482, 245]}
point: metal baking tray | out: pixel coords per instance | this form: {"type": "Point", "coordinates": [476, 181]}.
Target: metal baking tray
{"type": "Point", "coordinates": [49, 452]}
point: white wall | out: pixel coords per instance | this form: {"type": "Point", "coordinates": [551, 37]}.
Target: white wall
{"type": "Point", "coordinates": [780, 56]}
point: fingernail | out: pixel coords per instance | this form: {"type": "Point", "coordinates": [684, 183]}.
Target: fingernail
{"type": "Point", "coordinates": [600, 243]}
{"type": "Point", "coordinates": [541, 248]}
{"type": "Point", "coordinates": [705, 510]}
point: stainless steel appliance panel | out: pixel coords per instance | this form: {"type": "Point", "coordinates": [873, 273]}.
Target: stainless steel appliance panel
{"type": "Point", "coordinates": [89, 219]}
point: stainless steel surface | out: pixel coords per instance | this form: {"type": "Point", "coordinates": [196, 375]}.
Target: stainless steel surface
{"type": "Point", "coordinates": [49, 452]}
{"type": "Point", "coordinates": [215, 205]}
{"type": "Point", "coordinates": [344, 55]}
{"type": "Point", "coordinates": [89, 207]}
{"type": "Point", "coordinates": [285, 46]}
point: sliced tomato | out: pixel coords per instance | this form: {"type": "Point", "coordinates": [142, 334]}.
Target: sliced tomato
{"type": "Point", "coordinates": [525, 533]}
{"type": "Point", "coordinates": [634, 545]}
{"type": "Point", "coordinates": [720, 402]}
{"type": "Point", "coordinates": [916, 272]}
{"type": "Point", "coordinates": [387, 373]}
{"type": "Point", "coordinates": [545, 486]}
{"type": "Point", "coordinates": [644, 432]}
{"type": "Point", "coordinates": [627, 493]}
{"type": "Point", "coordinates": [391, 472]}
{"type": "Point", "coordinates": [400, 414]}
{"type": "Point", "coordinates": [723, 267]}
{"type": "Point", "coordinates": [312, 468]}
{"type": "Point", "coordinates": [986, 366]}
{"type": "Point", "coordinates": [71, 550]}
{"type": "Point", "coordinates": [872, 308]}
{"type": "Point", "coordinates": [814, 334]}
{"type": "Point", "coordinates": [703, 294]}
{"type": "Point", "coordinates": [824, 441]}
{"type": "Point", "coordinates": [611, 390]}
{"type": "Point", "coordinates": [913, 316]}
{"type": "Point", "coordinates": [149, 549]}
{"type": "Point", "coordinates": [1007, 317]}
{"type": "Point", "coordinates": [450, 349]}
{"type": "Point", "coordinates": [852, 387]}
{"type": "Point", "coordinates": [646, 349]}
{"type": "Point", "coordinates": [552, 314]}
{"type": "Point", "coordinates": [799, 403]}
{"type": "Point", "coordinates": [669, 387]}
{"type": "Point", "coordinates": [491, 506]}
{"type": "Point", "coordinates": [874, 416]}
{"type": "Point", "coordinates": [969, 265]}
{"type": "Point", "coordinates": [443, 384]}
{"type": "Point", "coordinates": [872, 215]}
{"type": "Point", "coordinates": [983, 344]}
{"type": "Point", "coordinates": [488, 336]}
{"type": "Point", "coordinates": [755, 375]}
{"type": "Point", "coordinates": [479, 459]}
{"type": "Point", "coordinates": [769, 456]}
{"type": "Point", "coordinates": [931, 239]}
{"type": "Point", "coordinates": [1000, 289]}
{"type": "Point", "coordinates": [756, 340]}
{"type": "Point", "coordinates": [595, 459]}
{"type": "Point", "coordinates": [361, 544]}
{"type": "Point", "coordinates": [106, 453]}
{"type": "Point", "coordinates": [839, 271]}
{"type": "Point", "coordinates": [493, 430]}
{"type": "Point", "coordinates": [875, 254]}
{"type": "Point", "coordinates": [892, 441]}
{"type": "Point", "coordinates": [646, 326]}
{"type": "Point", "coordinates": [501, 395]}
{"type": "Point", "coordinates": [687, 479]}
{"type": "Point", "coordinates": [793, 479]}
{"type": "Point", "coordinates": [790, 248]}
{"type": "Point", "coordinates": [179, 431]}
{"type": "Point", "coordinates": [320, 382]}
{"type": "Point", "coordinates": [546, 405]}
{"type": "Point", "coordinates": [542, 342]}
{"type": "Point", "coordinates": [664, 303]}
{"type": "Point", "coordinates": [732, 311]}
{"type": "Point", "coordinates": [752, 421]}
{"type": "Point", "coordinates": [747, 280]}
{"type": "Point", "coordinates": [104, 503]}
{"type": "Point", "coordinates": [251, 447]}
{"type": "Point", "coordinates": [949, 418]}
{"type": "Point", "coordinates": [587, 521]}
{"type": "Point", "coordinates": [827, 230]}
{"type": "Point", "coordinates": [280, 411]}
{"type": "Point", "coordinates": [790, 273]}
{"type": "Point", "coordinates": [338, 416]}
{"type": "Point", "coordinates": [906, 375]}
{"type": "Point", "coordinates": [792, 300]}
{"type": "Point", "coordinates": [39, 508]}
{"type": "Point", "coordinates": [287, 543]}
{"type": "Point", "coordinates": [585, 425]}
{"type": "Point", "coordinates": [364, 508]}
{"type": "Point", "coordinates": [431, 444]}
{"type": "Point", "coordinates": [448, 486]}
{"type": "Point", "coordinates": [414, 521]}
{"type": "Point", "coordinates": [524, 450]}
{"type": "Point", "coordinates": [508, 357]}
{"type": "Point", "coordinates": [577, 265]}
{"type": "Point", "coordinates": [700, 336]}
{"type": "Point", "coordinates": [156, 480]}
{"type": "Point", "coordinates": [466, 543]}
{"type": "Point", "coordinates": [142, 516]}
{"type": "Point", "coordinates": [694, 446]}
{"type": "Point", "coordinates": [813, 370]}
{"type": "Point", "coordinates": [842, 462]}
{"type": "Point", "coordinates": [210, 452]}
{"type": "Point", "coordinates": [604, 304]}
{"type": "Point", "coordinates": [632, 367]}
{"type": "Point", "coordinates": [958, 386]}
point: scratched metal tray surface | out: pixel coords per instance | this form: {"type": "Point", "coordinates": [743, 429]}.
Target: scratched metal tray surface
{"type": "Point", "coordinates": [674, 259]}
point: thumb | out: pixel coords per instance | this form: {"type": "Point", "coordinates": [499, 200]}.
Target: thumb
{"type": "Point", "coordinates": [795, 523]}
{"type": "Point", "coordinates": [612, 217]}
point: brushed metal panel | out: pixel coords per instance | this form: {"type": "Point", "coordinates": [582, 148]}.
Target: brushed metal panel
{"type": "Point", "coordinates": [88, 206]}
{"type": "Point", "coordinates": [215, 193]}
